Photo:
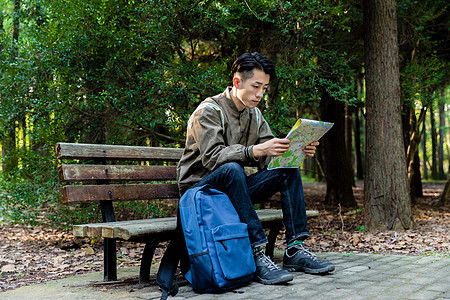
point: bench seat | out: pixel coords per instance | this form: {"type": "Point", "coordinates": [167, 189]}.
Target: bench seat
{"type": "Point", "coordinates": [129, 230]}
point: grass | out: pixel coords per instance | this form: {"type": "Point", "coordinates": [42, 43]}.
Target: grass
{"type": "Point", "coordinates": [306, 179]}
{"type": "Point", "coordinates": [433, 253]}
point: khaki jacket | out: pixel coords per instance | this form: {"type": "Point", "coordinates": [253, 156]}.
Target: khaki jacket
{"type": "Point", "coordinates": [218, 133]}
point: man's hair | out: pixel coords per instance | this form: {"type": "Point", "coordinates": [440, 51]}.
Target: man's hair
{"type": "Point", "coordinates": [245, 64]}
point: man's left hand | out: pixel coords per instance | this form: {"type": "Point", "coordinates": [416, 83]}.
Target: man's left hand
{"type": "Point", "coordinates": [310, 149]}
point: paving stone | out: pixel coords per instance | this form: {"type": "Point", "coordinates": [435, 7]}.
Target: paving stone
{"type": "Point", "coordinates": [150, 296]}
{"type": "Point", "coordinates": [420, 295]}
{"type": "Point", "coordinates": [356, 269]}
{"type": "Point", "coordinates": [313, 287]}
{"type": "Point", "coordinates": [439, 286]}
{"type": "Point", "coordinates": [388, 283]}
{"type": "Point", "coordinates": [404, 290]}
{"type": "Point", "coordinates": [423, 280]}
{"type": "Point", "coordinates": [390, 258]}
{"type": "Point", "coordinates": [339, 294]}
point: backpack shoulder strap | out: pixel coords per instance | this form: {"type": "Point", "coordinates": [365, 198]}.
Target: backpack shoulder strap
{"type": "Point", "coordinates": [176, 251]}
{"type": "Point", "coordinates": [167, 269]}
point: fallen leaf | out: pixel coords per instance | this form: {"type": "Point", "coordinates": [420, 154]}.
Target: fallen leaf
{"type": "Point", "coordinates": [8, 268]}
{"type": "Point", "coordinates": [88, 250]}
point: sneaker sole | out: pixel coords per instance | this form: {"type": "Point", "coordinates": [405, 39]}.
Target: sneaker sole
{"type": "Point", "coordinates": [308, 270]}
{"type": "Point", "coordinates": [283, 279]}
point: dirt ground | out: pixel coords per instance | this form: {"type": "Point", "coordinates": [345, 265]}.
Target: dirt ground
{"type": "Point", "coordinates": [30, 255]}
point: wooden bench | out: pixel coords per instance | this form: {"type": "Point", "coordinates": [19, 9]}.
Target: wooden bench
{"type": "Point", "coordinates": [108, 173]}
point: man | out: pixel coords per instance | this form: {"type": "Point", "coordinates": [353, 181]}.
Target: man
{"type": "Point", "coordinates": [227, 132]}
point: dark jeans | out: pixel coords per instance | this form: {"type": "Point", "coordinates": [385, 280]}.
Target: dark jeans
{"type": "Point", "coordinates": [231, 179]}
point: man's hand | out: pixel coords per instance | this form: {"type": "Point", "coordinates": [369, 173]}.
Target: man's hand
{"type": "Point", "coordinates": [310, 149]}
{"type": "Point", "coordinates": [273, 147]}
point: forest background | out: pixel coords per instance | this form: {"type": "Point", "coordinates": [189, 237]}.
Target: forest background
{"type": "Point", "coordinates": [131, 73]}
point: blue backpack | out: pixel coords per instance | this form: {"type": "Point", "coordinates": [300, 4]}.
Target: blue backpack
{"type": "Point", "coordinates": [217, 243]}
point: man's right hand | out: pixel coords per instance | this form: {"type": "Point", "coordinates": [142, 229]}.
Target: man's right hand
{"type": "Point", "coordinates": [273, 147]}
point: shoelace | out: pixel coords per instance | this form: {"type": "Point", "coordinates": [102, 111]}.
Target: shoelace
{"type": "Point", "coordinates": [305, 251]}
{"type": "Point", "coordinates": [268, 262]}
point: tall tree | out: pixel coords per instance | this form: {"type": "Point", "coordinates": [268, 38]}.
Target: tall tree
{"type": "Point", "coordinates": [358, 145]}
{"type": "Point", "coordinates": [387, 203]}
{"type": "Point", "coordinates": [411, 131]}
{"type": "Point", "coordinates": [424, 151]}
{"type": "Point", "coordinates": [349, 138]}
{"type": "Point", "coordinates": [358, 126]}
{"type": "Point", "coordinates": [434, 162]}
{"type": "Point", "coordinates": [338, 169]}
{"type": "Point", "coordinates": [441, 136]}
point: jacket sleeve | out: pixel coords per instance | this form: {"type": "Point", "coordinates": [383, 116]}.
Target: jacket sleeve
{"type": "Point", "coordinates": [265, 134]}
{"type": "Point", "coordinates": [206, 132]}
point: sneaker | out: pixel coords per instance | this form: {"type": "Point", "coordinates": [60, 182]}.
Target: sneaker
{"type": "Point", "coordinates": [267, 272]}
{"type": "Point", "coordinates": [298, 258]}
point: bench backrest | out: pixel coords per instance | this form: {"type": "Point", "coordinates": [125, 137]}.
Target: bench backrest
{"type": "Point", "coordinates": [103, 177]}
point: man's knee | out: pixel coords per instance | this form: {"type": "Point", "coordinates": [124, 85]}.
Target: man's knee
{"type": "Point", "coordinates": [233, 170]}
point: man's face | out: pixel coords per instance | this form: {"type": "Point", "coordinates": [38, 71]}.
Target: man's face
{"type": "Point", "coordinates": [251, 91]}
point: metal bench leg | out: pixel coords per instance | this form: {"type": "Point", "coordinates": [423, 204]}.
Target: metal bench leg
{"type": "Point", "coordinates": [273, 233]}
{"type": "Point", "coordinates": [109, 259]}
{"type": "Point", "coordinates": [146, 262]}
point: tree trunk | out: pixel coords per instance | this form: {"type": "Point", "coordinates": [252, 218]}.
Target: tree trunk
{"type": "Point", "coordinates": [441, 138]}
{"type": "Point", "coordinates": [348, 138]}
{"type": "Point", "coordinates": [1, 28]}
{"type": "Point", "coordinates": [358, 127]}
{"type": "Point", "coordinates": [16, 20]}
{"type": "Point", "coordinates": [358, 154]}
{"type": "Point", "coordinates": [416, 182]}
{"type": "Point", "coordinates": [387, 192]}
{"type": "Point", "coordinates": [412, 137]}
{"type": "Point", "coordinates": [445, 194]}
{"type": "Point", "coordinates": [338, 169]}
{"type": "Point", "coordinates": [434, 174]}
{"type": "Point", "coordinates": [424, 152]}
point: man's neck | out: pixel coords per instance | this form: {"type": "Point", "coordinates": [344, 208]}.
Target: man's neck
{"type": "Point", "coordinates": [240, 105]}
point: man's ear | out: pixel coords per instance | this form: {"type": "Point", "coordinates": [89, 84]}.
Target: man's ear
{"type": "Point", "coordinates": [236, 81]}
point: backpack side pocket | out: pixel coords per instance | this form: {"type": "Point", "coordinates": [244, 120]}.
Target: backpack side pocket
{"type": "Point", "coordinates": [234, 251]}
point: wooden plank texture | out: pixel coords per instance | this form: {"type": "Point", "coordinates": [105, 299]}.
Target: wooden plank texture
{"type": "Point", "coordinates": [92, 151]}
{"type": "Point", "coordinates": [71, 173]}
{"type": "Point", "coordinates": [127, 230]}
{"type": "Point", "coordinates": [118, 192]}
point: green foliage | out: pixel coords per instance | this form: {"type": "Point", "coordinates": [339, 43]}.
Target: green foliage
{"type": "Point", "coordinates": [356, 210]}
{"type": "Point", "coordinates": [361, 228]}
{"type": "Point", "coordinates": [29, 192]}
{"type": "Point", "coordinates": [423, 49]}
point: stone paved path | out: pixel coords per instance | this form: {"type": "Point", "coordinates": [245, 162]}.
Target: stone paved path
{"type": "Point", "coordinates": [357, 276]}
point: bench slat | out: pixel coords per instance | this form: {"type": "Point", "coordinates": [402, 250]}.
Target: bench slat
{"type": "Point", "coordinates": [92, 151]}
{"type": "Point", "coordinates": [72, 173]}
{"type": "Point", "coordinates": [127, 230]}
{"type": "Point", "coordinates": [118, 192]}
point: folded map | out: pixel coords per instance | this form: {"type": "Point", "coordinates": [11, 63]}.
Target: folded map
{"type": "Point", "coordinates": [303, 133]}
